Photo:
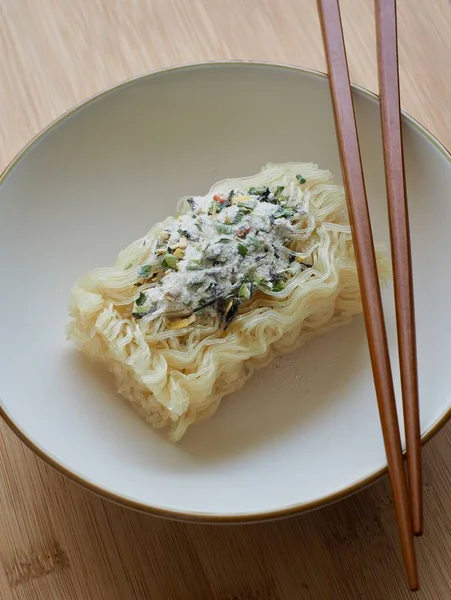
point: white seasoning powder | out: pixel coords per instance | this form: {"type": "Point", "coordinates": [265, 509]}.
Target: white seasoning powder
{"type": "Point", "coordinates": [220, 243]}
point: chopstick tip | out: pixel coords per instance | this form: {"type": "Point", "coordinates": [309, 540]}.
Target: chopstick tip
{"type": "Point", "coordinates": [413, 581]}
{"type": "Point", "coordinates": [417, 523]}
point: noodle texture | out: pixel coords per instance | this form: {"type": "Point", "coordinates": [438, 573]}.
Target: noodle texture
{"type": "Point", "coordinates": [248, 272]}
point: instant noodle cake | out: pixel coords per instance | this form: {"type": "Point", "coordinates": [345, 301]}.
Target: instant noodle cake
{"type": "Point", "coordinates": [245, 273]}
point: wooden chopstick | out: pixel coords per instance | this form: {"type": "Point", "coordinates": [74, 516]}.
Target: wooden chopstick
{"type": "Point", "coordinates": [367, 269]}
{"type": "Point", "coordinates": [387, 53]}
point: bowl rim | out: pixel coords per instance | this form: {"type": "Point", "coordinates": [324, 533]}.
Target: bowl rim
{"type": "Point", "coordinates": [180, 515]}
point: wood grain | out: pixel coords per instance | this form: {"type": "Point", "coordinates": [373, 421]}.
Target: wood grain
{"type": "Point", "coordinates": [59, 542]}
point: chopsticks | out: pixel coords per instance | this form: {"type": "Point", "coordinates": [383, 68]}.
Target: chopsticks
{"type": "Point", "coordinates": [367, 268]}
{"type": "Point", "coordinates": [387, 52]}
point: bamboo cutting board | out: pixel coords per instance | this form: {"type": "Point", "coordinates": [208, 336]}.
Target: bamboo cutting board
{"type": "Point", "coordinates": [59, 542]}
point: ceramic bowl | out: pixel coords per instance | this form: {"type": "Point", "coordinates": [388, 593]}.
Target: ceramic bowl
{"type": "Point", "coordinates": [300, 434]}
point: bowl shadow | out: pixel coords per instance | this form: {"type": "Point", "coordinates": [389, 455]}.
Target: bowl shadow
{"type": "Point", "coordinates": [295, 391]}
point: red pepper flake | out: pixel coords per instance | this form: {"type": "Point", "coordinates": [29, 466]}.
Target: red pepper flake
{"type": "Point", "coordinates": [220, 199]}
{"type": "Point", "coordinates": [242, 231]}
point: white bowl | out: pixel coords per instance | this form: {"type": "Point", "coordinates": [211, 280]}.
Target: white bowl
{"type": "Point", "coordinates": [300, 434]}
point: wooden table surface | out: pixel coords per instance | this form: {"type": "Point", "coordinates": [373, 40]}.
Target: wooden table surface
{"type": "Point", "coordinates": [59, 542]}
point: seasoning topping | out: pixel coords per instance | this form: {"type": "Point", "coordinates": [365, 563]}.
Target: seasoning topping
{"type": "Point", "coordinates": [221, 250]}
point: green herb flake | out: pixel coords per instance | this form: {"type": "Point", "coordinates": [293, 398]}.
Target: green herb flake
{"type": "Point", "coordinates": [194, 265]}
{"type": "Point", "coordinates": [261, 282]}
{"type": "Point", "coordinates": [278, 286]}
{"type": "Point", "coordinates": [169, 261]}
{"type": "Point", "coordinates": [245, 208]}
{"type": "Point", "coordinates": [145, 270]}
{"type": "Point", "coordinates": [223, 228]}
{"type": "Point", "coordinates": [253, 191]}
{"type": "Point", "coordinates": [242, 249]}
{"type": "Point", "coordinates": [301, 179]}
{"type": "Point", "coordinates": [245, 291]}
{"type": "Point", "coordinates": [239, 216]}
{"type": "Point", "coordinates": [185, 233]}
{"type": "Point", "coordinates": [257, 244]}
{"type": "Point", "coordinates": [284, 212]}
{"type": "Point", "coordinates": [141, 299]}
